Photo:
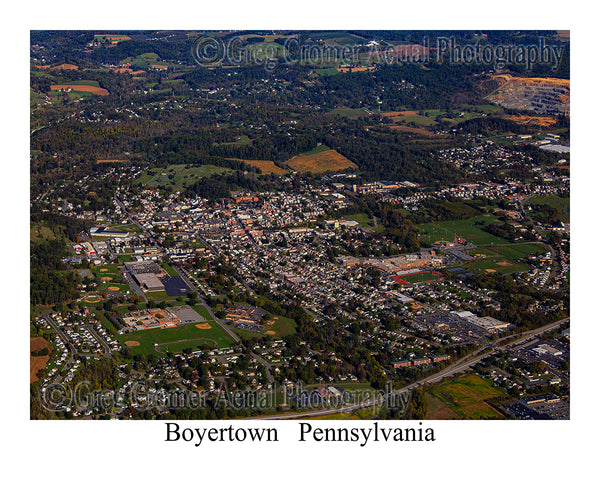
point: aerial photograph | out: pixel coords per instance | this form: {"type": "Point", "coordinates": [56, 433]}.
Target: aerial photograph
{"type": "Point", "coordinates": [299, 225]}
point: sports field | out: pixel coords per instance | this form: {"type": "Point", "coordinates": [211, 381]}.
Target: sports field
{"type": "Point", "coordinates": [505, 259]}
{"type": "Point", "coordinates": [177, 338]}
{"type": "Point", "coordinates": [278, 327]}
{"type": "Point", "coordinates": [320, 160]}
{"type": "Point", "coordinates": [465, 397]}
{"type": "Point", "coordinates": [418, 277]}
{"type": "Point", "coordinates": [467, 229]}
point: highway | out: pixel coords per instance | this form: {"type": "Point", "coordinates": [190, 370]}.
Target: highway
{"type": "Point", "coordinates": [459, 366]}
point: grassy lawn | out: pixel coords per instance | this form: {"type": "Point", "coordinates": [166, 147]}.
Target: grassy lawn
{"type": "Point", "coordinates": [202, 311]}
{"type": "Point", "coordinates": [466, 229]}
{"type": "Point", "coordinates": [169, 269]}
{"type": "Point", "coordinates": [283, 326]}
{"type": "Point", "coordinates": [466, 397]}
{"type": "Point", "coordinates": [157, 296]}
{"type": "Point", "coordinates": [186, 336]}
{"type": "Point", "coordinates": [361, 218]}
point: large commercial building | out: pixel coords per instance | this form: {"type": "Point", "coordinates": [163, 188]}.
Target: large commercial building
{"type": "Point", "coordinates": [146, 274]}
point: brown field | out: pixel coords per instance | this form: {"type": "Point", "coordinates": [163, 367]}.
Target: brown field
{"type": "Point", "coordinates": [111, 37]}
{"type": "Point", "coordinates": [64, 66]}
{"type": "Point", "coordinates": [132, 343]}
{"type": "Point", "coordinates": [106, 279]}
{"type": "Point", "coordinates": [527, 120]}
{"type": "Point", "coordinates": [406, 113]}
{"type": "Point", "coordinates": [265, 166]}
{"type": "Point", "coordinates": [113, 289]}
{"type": "Point", "coordinates": [38, 343]}
{"type": "Point", "coordinates": [112, 161]}
{"type": "Point", "coordinates": [327, 161]}
{"type": "Point", "coordinates": [81, 88]}
{"type": "Point", "coordinates": [128, 70]}
{"type": "Point", "coordinates": [37, 363]}
{"type": "Point", "coordinates": [420, 131]}
{"type": "Point", "coordinates": [565, 82]}
{"type": "Point", "coordinates": [504, 264]}
{"type": "Point", "coordinates": [355, 69]}
{"type": "Point", "coordinates": [269, 332]}
{"type": "Point", "coordinates": [490, 270]}
{"type": "Point", "coordinates": [104, 269]}
{"type": "Point", "coordinates": [203, 326]}
{"type": "Point", "coordinates": [436, 410]}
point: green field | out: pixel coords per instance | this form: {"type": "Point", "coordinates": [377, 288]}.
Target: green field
{"type": "Point", "coordinates": [562, 205]}
{"type": "Point", "coordinates": [362, 218]}
{"type": "Point", "coordinates": [327, 72]}
{"type": "Point", "coordinates": [466, 229]}
{"type": "Point", "coordinates": [91, 83]}
{"type": "Point", "coordinates": [318, 149]}
{"type": "Point", "coordinates": [422, 277]}
{"type": "Point", "coordinates": [240, 141]}
{"type": "Point", "coordinates": [178, 176]}
{"type": "Point", "coordinates": [169, 269]}
{"type": "Point", "coordinates": [186, 336]}
{"type": "Point", "coordinates": [157, 296]}
{"type": "Point", "coordinates": [504, 259]}
{"type": "Point", "coordinates": [466, 397]}
{"type": "Point", "coordinates": [282, 326]}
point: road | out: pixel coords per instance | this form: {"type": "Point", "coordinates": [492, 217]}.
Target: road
{"type": "Point", "coordinates": [459, 366]}
{"type": "Point", "coordinates": [183, 274]}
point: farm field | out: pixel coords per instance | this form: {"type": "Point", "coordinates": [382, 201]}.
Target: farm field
{"type": "Point", "coordinates": [265, 166]}
{"type": "Point", "coordinates": [466, 229]}
{"type": "Point", "coordinates": [78, 87]}
{"type": "Point", "coordinates": [419, 131]}
{"type": "Point", "coordinates": [349, 112]}
{"type": "Point", "coordinates": [324, 160]}
{"type": "Point", "coordinates": [38, 362]}
{"type": "Point", "coordinates": [178, 176]}
{"type": "Point", "coordinates": [177, 338]}
{"type": "Point", "coordinates": [465, 397]}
